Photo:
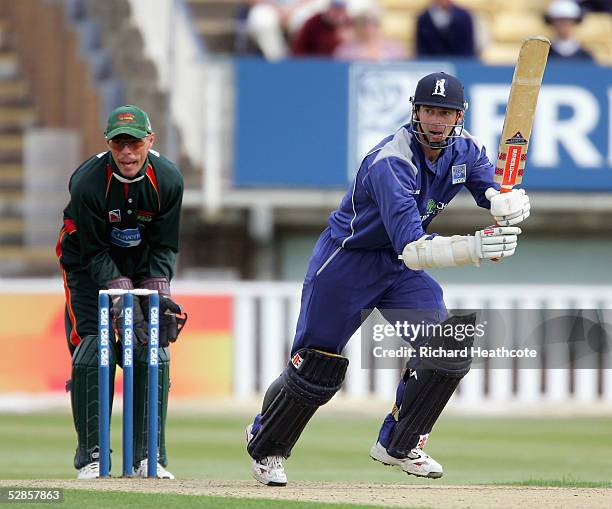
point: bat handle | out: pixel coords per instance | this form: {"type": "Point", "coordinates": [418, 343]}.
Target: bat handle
{"type": "Point", "coordinates": [502, 189]}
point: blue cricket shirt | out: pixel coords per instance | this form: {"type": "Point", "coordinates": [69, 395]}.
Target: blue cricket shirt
{"type": "Point", "coordinates": [397, 191]}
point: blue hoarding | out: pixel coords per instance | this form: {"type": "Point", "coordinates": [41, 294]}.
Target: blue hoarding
{"type": "Point", "coordinates": [307, 123]}
{"type": "Point", "coordinates": [291, 123]}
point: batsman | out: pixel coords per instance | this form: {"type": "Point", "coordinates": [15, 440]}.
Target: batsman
{"type": "Point", "coordinates": [120, 231]}
{"type": "Point", "coordinates": [401, 185]}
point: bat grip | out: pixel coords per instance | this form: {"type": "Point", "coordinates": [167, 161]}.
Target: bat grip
{"type": "Point", "coordinates": [502, 190]}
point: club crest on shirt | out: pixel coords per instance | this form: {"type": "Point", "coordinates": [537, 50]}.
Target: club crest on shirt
{"type": "Point", "coordinates": [459, 173]}
{"type": "Point", "coordinates": [114, 216]}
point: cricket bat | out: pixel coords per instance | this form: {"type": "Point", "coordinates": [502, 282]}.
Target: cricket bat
{"type": "Point", "coordinates": [520, 111]}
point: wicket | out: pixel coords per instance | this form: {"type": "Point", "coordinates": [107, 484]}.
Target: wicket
{"type": "Point", "coordinates": [128, 379]}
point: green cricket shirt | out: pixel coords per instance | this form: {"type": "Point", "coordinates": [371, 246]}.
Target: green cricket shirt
{"type": "Point", "coordinates": [115, 226]}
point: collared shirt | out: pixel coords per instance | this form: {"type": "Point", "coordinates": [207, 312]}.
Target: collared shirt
{"type": "Point", "coordinates": [115, 226]}
{"type": "Point", "coordinates": [398, 191]}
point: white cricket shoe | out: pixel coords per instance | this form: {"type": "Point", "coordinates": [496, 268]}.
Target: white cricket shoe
{"type": "Point", "coordinates": [417, 463]}
{"type": "Point", "coordinates": [269, 470]}
{"type": "Point", "coordinates": [162, 473]}
{"type": "Point", "coordinates": [89, 471]}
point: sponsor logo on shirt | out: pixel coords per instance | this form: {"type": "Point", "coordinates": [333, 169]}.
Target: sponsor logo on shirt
{"type": "Point", "coordinates": [129, 237]}
{"type": "Point", "coordinates": [144, 216]}
{"type": "Point", "coordinates": [114, 216]}
{"type": "Point", "coordinates": [433, 208]}
{"type": "Point", "coordinates": [459, 173]}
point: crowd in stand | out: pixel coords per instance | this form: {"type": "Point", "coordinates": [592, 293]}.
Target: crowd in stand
{"type": "Point", "coordinates": [351, 30]}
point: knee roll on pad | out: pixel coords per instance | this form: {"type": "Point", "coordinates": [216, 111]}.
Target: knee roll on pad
{"type": "Point", "coordinates": [310, 380]}
{"type": "Point", "coordinates": [460, 341]}
{"type": "Point", "coordinates": [429, 387]}
{"type": "Point", "coordinates": [86, 353]}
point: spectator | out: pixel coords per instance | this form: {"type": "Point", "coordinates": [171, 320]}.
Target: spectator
{"type": "Point", "coordinates": [367, 42]}
{"type": "Point", "coordinates": [323, 32]}
{"type": "Point", "coordinates": [445, 29]}
{"type": "Point", "coordinates": [564, 16]}
{"type": "Point", "coordinates": [596, 5]}
{"type": "Point", "coordinates": [265, 25]}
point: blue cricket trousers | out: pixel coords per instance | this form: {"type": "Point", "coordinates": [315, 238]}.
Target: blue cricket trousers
{"type": "Point", "coordinates": [341, 282]}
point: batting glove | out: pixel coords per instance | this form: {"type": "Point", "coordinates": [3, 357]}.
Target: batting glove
{"type": "Point", "coordinates": [509, 209]}
{"type": "Point", "coordinates": [434, 252]}
{"type": "Point", "coordinates": [495, 242]}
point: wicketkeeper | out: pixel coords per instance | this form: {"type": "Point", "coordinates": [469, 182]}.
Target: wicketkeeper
{"type": "Point", "coordinates": [121, 231]}
{"type": "Point", "coordinates": [401, 185]}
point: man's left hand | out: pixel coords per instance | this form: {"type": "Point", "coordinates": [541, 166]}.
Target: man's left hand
{"type": "Point", "coordinates": [172, 319]}
{"type": "Point", "coordinates": [510, 208]}
{"type": "Point", "coordinates": [171, 316]}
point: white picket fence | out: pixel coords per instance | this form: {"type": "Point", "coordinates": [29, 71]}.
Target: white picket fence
{"type": "Point", "coordinates": [265, 315]}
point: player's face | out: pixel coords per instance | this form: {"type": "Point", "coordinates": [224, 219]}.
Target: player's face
{"type": "Point", "coordinates": [438, 123]}
{"type": "Point", "coordinates": [130, 153]}
{"type": "Point", "coordinates": [564, 27]}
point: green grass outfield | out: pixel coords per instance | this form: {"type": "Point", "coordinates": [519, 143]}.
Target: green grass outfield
{"type": "Point", "coordinates": [79, 499]}
{"type": "Point", "coordinates": [514, 451]}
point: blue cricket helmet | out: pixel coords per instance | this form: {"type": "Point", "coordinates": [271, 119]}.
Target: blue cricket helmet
{"type": "Point", "coordinates": [441, 90]}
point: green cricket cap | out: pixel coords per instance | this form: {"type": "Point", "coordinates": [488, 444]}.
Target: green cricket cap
{"type": "Point", "coordinates": [130, 120]}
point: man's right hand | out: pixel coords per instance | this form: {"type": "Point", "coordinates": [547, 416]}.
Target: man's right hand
{"type": "Point", "coordinates": [117, 310]}
{"type": "Point", "coordinates": [141, 334]}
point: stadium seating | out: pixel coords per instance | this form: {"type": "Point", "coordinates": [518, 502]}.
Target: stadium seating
{"type": "Point", "coordinates": [215, 21]}
{"type": "Point", "coordinates": [502, 25]}
{"type": "Point", "coordinates": [35, 92]}
{"type": "Point", "coordinates": [506, 24]}
{"type": "Point", "coordinates": [401, 27]}
{"type": "Point", "coordinates": [16, 112]}
{"type": "Point", "coordinates": [514, 26]}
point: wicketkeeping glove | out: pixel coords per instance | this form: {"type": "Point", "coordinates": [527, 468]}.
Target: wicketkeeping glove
{"type": "Point", "coordinates": [117, 311]}
{"type": "Point", "coordinates": [510, 208]}
{"type": "Point", "coordinates": [172, 318]}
